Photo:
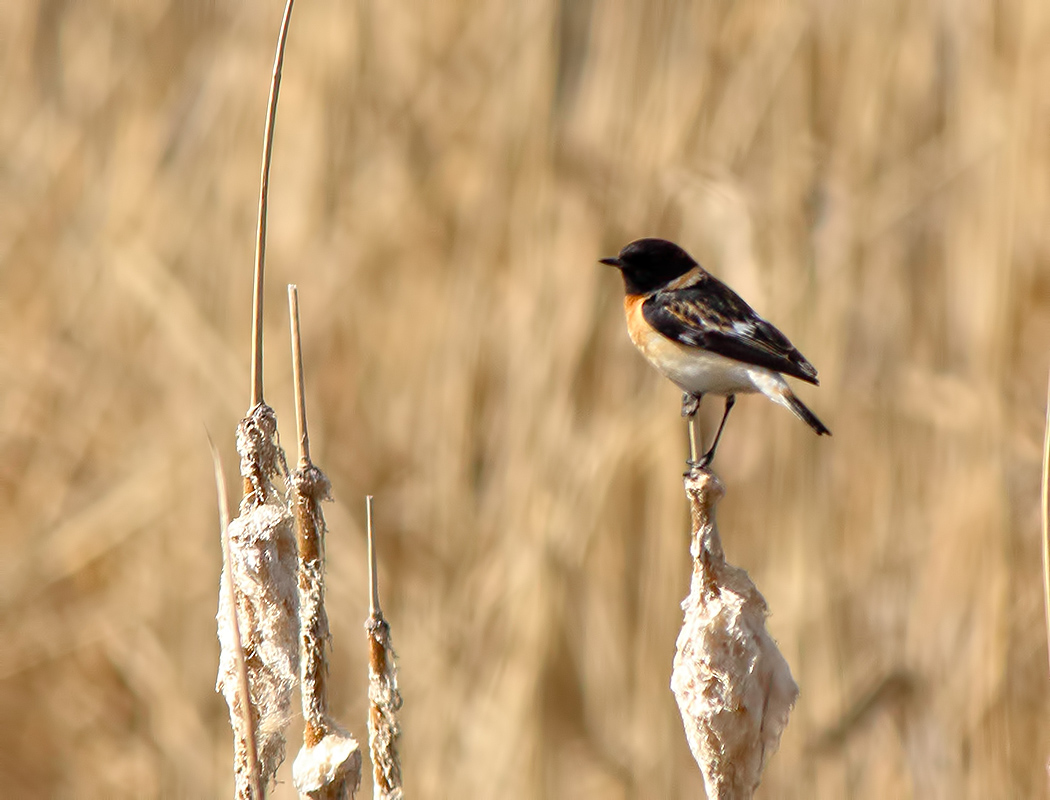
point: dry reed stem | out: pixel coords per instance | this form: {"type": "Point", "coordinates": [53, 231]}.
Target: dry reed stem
{"type": "Point", "coordinates": [246, 754]}
{"type": "Point", "coordinates": [309, 486]}
{"type": "Point", "coordinates": [264, 186]}
{"type": "Point", "coordinates": [262, 566]}
{"type": "Point", "coordinates": [328, 765]}
{"type": "Point", "coordinates": [299, 387]}
{"type": "Point", "coordinates": [384, 699]}
{"type": "Point", "coordinates": [733, 687]}
{"type": "Point", "coordinates": [1045, 516]}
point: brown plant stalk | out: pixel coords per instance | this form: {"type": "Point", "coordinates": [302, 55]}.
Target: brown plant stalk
{"type": "Point", "coordinates": [262, 570]}
{"type": "Point", "coordinates": [242, 717]}
{"type": "Point", "coordinates": [328, 766]}
{"type": "Point", "coordinates": [264, 195]}
{"type": "Point", "coordinates": [384, 698]}
{"type": "Point", "coordinates": [262, 560]}
{"type": "Point", "coordinates": [1046, 517]}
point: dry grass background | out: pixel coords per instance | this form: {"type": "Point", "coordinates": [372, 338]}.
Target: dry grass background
{"type": "Point", "coordinates": [873, 176]}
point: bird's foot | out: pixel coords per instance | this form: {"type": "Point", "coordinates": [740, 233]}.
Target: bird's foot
{"type": "Point", "coordinates": [700, 464]}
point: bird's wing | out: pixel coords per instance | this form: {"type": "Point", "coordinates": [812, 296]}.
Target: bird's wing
{"type": "Point", "coordinates": [708, 314]}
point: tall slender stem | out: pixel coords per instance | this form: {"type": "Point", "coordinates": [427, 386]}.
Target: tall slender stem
{"type": "Point", "coordinates": [297, 378]}
{"type": "Point", "coordinates": [264, 190]}
{"type": "Point", "coordinates": [373, 581]}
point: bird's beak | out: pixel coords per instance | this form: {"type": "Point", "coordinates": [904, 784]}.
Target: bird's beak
{"type": "Point", "coordinates": [612, 262]}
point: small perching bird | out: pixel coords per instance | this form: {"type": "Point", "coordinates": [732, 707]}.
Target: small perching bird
{"type": "Point", "coordinates": [702, 335]}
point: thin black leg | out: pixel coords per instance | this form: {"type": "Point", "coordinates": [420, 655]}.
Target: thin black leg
{"type": "Point", "coordinates": [709, 456]}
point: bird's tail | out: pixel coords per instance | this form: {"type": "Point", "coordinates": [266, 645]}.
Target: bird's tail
{"type": "Point", "coordinates": [799, 409]}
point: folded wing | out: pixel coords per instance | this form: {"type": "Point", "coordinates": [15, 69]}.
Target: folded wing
{"type": "Point", "coordinates": [706, 313]}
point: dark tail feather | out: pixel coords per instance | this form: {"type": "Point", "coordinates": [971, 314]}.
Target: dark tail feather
{"type": "Point", "coordinates": [807, 416]}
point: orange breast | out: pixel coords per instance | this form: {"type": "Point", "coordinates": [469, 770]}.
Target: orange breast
{"type": "Point", "coordinates": [641, 332]}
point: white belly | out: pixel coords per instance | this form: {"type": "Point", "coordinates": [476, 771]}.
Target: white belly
{"type": "Point", "coordinates": [699, 371]}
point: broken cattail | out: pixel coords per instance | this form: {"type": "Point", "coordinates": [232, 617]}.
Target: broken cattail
{"type": "Point", "coordinates": [261, 568]}
{"type": "Point", "coordinates": [734, 688]}
{"type": "Point", "coordinates": [329, 769]}
{"type": "Point", "coordinates": [329, 764]}
{"type": "Point", "coordinates": [384, 699]}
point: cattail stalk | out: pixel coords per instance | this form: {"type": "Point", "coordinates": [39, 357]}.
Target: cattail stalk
{"type": "Point", "coordinates": [261, 569]}
{"type": "Point", "coordinates": [328, 765]}
{"type": "Point", "coordinates": [384, 729]}
{"type": "Point", "coordinates": [262, 562]}
{"type": "Point", "coordinates": [1046, 518]}
{"type": "Point", "coordinates": [309, 487]}
{"type": "Point", "coordinates": [241, 715]}
{"type": "Point", "coordinates": [264, 195]}
{"type": "Point", "coordinates": [734, 688]}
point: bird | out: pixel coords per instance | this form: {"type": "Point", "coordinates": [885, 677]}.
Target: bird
{"type": "Point", "coordinates": [701, 335]}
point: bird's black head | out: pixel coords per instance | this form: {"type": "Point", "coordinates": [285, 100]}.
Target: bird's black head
{"type": "Point", "coordinates": [648, 264]}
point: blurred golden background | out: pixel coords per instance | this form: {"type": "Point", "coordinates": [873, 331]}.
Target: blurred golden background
{"type": "Point", "coordinates": [874, 177]}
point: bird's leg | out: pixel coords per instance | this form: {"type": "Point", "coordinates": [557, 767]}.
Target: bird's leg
{"type": "Point", "coordinates": [690, 405]}
{"type": "Point", "coordinates": [709, 456]}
